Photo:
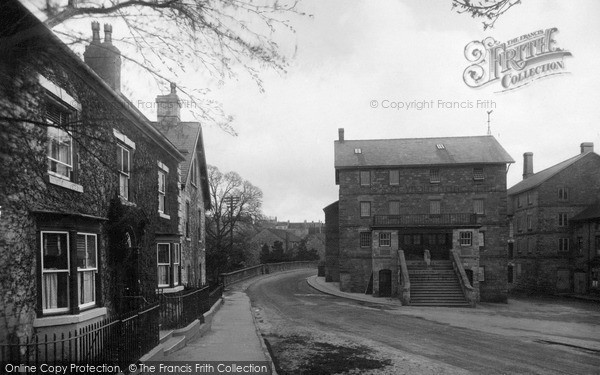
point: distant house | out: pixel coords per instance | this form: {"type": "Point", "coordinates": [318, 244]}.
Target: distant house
{"type": "Point", "coordinates": [269, 236]}
{"type": "Point", "coordinates": [400, 197]}
{"type": "Point", "coordinates": [554, 225]}
{"type": "Point", "coordinates": [301, 229]}
{"type": "Point", "coordinates": [316, 241]}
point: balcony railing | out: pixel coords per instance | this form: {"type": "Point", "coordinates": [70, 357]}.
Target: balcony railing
{"type": "Point", "coordinates": [424, 220]}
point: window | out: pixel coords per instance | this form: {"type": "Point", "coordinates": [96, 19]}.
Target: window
{"type": "Point", "coordinates": [55, 272]}
{"type": "Point", "coordinates": [162, 190]}
{"type": "Point", "coordinates": [478, 206]}
{"type": "Point", "coordinates": [56, 275]}
{"type": "Point", "coordinates": [529, 244]}
{"type": "Point", "coordinates": [529, 198]}
{"type": "Point", "coordinates": [529, 222]}
{"type": "Point", "coordinates": [365, 239]}
{"type": "Point", "coordinates": [481, 239]}
{"type": "Point", "coordinates": [163, 260]}
{"type": "Point", "coordinates": [416, 239]}
{"type": "Point", "coordinates": [60, 143]}
{"type": "Point", "coordinates": [509, 275]}
{"type": "Point", "coordinates": [365, 178]}
{"type": "Point", "coordinates": [394, 208]}
{"type": "Point", "coordinates": [176, 263]}
{"type": "Point", "coordinates": [385, 239]}
{"type": "Point", "coordinates": [563, 194]}
{"type": "Point", "coordinates": [466, 238]}
{"type": "Point", "coordinates": [562, 220]}
{"type": "Point", "coordinates": [478, 174]}
{"type": "Point", "coordinates": [434, 207]}
{"type": "Point", "coordinates": [394, 177]}
{"type": "Point", "coordinates": [187, 219]}
{"type": "Point", "coordinates": [124, 164]}
{"type": "Point", "coordinates": [519, 245]}
{"type": "Point", "coordinates": [481, 274]}
{"type": "Point", "coordinates": [434, 175]}
{"type": "Point", "coordinates": [519, 201]}
{"type": "Point", "coordinates": [580, 245]}
{"type": "Point", "coordinates": [365, 209]}
{"type": "Point", "coordinates": [86, 269]}
{"type": "Point", "coordinates": [597, 240]}
{"type": "Point", "coordinates": [563, 244]}
{"type": "Point", "coordinates": [193, 173]}
{"type": "Point", "coordinates": [408, 239]}
{"type": "Point", "coordinates": [519, 224]}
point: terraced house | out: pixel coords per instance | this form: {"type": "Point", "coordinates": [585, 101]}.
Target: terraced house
{"type": "Point", "coordinates": [402, 198]}
{"type": "Point", "coordinates": [91, 190]}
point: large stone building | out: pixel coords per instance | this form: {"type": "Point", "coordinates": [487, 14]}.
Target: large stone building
{"type": "Point", "coordinates": [554, 225]}
{"type": "Point", "coordinates": [401, 198]}
{"type": "Point", "coordinates": [90, 190]}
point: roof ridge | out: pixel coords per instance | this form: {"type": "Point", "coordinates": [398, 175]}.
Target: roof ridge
{"type": "Point", "coordinates": [560, 166]}
{"type": "Point", "coordinates": [414, 138]}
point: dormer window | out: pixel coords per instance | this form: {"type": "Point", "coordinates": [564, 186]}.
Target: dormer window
{"type": "Point", "coordinates": [478, 174]}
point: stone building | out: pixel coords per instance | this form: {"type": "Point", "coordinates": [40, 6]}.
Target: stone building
{"type": "Point", "coordinates": [89, 188]}
{"type": "Point", "coordinates": [194, 198]}
{"type": "Point", "coordinates": [553, 227]}
{"type": "Point", "coordinates": [400, 197]}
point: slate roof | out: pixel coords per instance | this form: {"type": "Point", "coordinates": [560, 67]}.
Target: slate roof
{"type": "Point", "coordinates": [544, 175]}
{"type": "Point", "coordinates": [591, 212]}
{"type": "Point", "coordinates": [420, 151]}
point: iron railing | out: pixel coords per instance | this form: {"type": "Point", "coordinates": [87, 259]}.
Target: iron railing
{"type": "Point", "coordinates": [178, 310]}
{"type": "Point", "coordinates": [113, 342]}
{"type": "Point", "coordinates": [422, 220]}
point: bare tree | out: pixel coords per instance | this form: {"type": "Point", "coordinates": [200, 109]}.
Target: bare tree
{"type": "Point", "coordinates": [490, 10]}
{"type": "Point", "coordinates": [236, 205]}
{"type": "Point", "coordinates": [165, 38]}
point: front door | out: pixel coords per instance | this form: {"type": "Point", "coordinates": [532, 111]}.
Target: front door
{"type": "Point", "coordinates": [385, 283]}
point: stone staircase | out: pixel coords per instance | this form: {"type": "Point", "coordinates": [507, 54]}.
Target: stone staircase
{"type": "Point", "coordinates": [437, 285]}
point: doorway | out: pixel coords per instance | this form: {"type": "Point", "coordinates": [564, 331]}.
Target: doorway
{"type": "Point", "coordinates": [385, 283]}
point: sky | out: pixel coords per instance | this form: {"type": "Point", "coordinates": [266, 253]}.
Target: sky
{"type": "Point", "coordinates": [352, 58]}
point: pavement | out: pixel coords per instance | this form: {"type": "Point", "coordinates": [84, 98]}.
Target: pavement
{"type": "Point", "coordinates": [333, 288]}
{"type": "Point", "coordinates": [233, 336]}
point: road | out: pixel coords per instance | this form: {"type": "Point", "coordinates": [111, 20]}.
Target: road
{"type": "Point", "coordinates": [294, 317]}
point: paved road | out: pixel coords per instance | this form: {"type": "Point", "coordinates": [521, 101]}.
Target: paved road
{"type": "Point", "coordinates": [287, 301]}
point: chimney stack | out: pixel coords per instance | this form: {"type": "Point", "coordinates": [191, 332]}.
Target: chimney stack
{"type": "Point", "coordinates": [527, 165]}
{"type": "Point", "coordinates": [104, 58]}
{"type": "Point", "coordinates": [341, 134]}
{"type": "Point", "coordinates": [587, 147]}
{"type": "Point", "coordinates": [168, 111]}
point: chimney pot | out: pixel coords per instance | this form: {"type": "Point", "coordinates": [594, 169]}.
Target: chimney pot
{"type": "Point", "coordinates": [341, 134]}
{"type": "Point", "coordinates": [527, 165]}
{"type": "Point", "coordinates": [107, 33]}
{"type": "Point", "coordinates": [105, 58]}
{"type": "Point", "coordinates": [587, 147]}
{"type": "Point", "coordinates": [95, 31]}
{"type": "Point", "coordinates": [173, 88]}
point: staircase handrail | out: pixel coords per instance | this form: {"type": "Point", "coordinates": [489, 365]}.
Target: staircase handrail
{"type": "Point", "coordinates": [405, 292]}
{"type": "Point", "coordinates": [465, 285]}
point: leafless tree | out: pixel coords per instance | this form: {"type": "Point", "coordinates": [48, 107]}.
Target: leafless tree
{"type": "Point", "coordinates": [490, 10]}
{"type": "Point", "coordinates": [165, 38]}
{"type": "Point", "coordinates": [236, 205]}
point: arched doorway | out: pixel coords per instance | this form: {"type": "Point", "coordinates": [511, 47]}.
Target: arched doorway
{"type": "Point", "coordinates": [385, 283]}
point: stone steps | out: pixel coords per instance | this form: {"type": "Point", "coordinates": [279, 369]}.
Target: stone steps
{"type": "Point", "coordinates": [436, 285]}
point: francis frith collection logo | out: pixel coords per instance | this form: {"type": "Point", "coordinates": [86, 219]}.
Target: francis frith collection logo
{"type": "Point", "coordinates": [514, 63]}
